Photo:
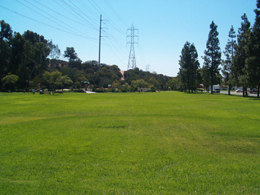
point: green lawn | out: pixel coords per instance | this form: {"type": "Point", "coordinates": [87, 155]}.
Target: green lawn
{"type": "Point", "coordinates": [129, 143]}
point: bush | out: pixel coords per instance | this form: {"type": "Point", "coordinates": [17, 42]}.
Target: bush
{"type": "Point", "coordinates": [78, 90]}
{"type": "Point", "coordinates": [100, 90]}
{"type": "Point", "coordinates": [152, 89]}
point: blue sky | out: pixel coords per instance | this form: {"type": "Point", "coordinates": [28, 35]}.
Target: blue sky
{"type": "Point", "coordinates": [164, 26]}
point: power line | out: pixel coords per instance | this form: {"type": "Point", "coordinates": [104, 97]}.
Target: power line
{"type": "Point", "coordinates": [91, 19]}
{"type": "Point", "coordinates": [114, 11]}
{"type": "Point", "coordinates": [45, 23]}
{"type": "Point", "coordinates": [93, 3]}
{"type": "Point", "coordinates": [60, 14]}
{"type": "Point", "coordinates": [78, 13]}
{"type": "Point", "coordinates": [87, 8]}
{"type": "Point", "coordinates": [70, 29]}
{"type": "Point", "coordinates": [118, 56]}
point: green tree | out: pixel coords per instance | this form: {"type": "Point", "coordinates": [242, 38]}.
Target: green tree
{"type": "Point", "coordinates": [55, 80]}
{"type": "Point", "coordinates": [29, 56]}
{"type": "Point", "coordinates": [252, 49]}
{"type": "Point", "coordinates": [173, 84]}
{"type": "Point", "coordinates": [189, 66]}
{"type": "Point", "coordinates": [205, 74]}
{"type": "Point", "coordinates": [139, 83]}
{"type": "Point", "coordinates": [227, 64]}
{"type": "Point", "coordinates": [54, 50]}
{"type": "Point", "coordinates": [153, 81]}
{"type": "Point", "coordinates": [77, 76]}
{"type": "Point", "coordinates": [19, 59]}
{"type": "Point", "coordinates": [71, 54]}
{"type": "Point", "coordinates": [239, 69]}
{"type": "Point", "coordinates": [212, 57]}
{"type": "Point", "coordinates": [5, 50]}
{"type": "Point", "coordinates": [9, 82]}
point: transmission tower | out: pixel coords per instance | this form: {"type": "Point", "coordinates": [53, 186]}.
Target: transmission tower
{"type": "Point", "coordinates": [132, 42]}
{"type": "Point", "coordinates": [148, 68]}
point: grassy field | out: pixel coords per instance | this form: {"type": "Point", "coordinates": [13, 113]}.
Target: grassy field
{"type": "Point", "coordinates": [129, 143]}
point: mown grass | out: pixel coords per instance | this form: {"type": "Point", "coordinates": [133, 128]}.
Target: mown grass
{"type": "Point", "coordinates": [132, 143]}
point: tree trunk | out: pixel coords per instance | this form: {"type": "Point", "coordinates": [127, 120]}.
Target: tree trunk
{"type": "Point", "coordinates": [258, 90]}
{"type": "Point", "coordinates": [229, 88]}
{"type": "Point", "coordinates": [211, 89]}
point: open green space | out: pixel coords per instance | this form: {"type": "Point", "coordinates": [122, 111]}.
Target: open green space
{"type": "Point", "coordinates": [129, 143]}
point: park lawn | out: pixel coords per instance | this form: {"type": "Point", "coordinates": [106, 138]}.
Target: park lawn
{"type": "Point", "coordinates": [129, 143]}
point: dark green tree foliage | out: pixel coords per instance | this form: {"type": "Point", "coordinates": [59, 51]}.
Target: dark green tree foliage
{"type": "Point", "coordinates": [205, 73]}
{"type": "Point", "coordinates": [5, 50]}
{"type": "Point", "coordinates": [9, 82]}
{"type": "Point", "coordinates": [135, 74]}
{"type": "Point", "coordinates": [107, 75]}
{"type": "Point", "coordinates": [36, 53]}
{"type": "Point", "coordinates": [212, 58]}
{"type": "Point", "coordinates": [189, 67]}
{"type": "Point", "coordinates": [239, 69]}
{"type": "Point", "coordinates": [76, 75]}
{"type": "Point", "coordinates": [71, 54]}
{"type": "Point", "coordinates": [22, 55]}
{"type": "Point", "coordinates": [19, 60]}
{"type": "Point", "coordinates": [227, 64]}
{"type": "Point", "coordinates": [6, 31]}
{"type": "Point", "coordinates": [252, 49]}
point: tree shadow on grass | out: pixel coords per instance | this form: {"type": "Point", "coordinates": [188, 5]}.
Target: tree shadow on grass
{"type": "Point", "coordinates": [241, 96]}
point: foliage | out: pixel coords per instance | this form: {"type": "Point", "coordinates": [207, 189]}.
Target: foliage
{"type": "Point", "coordinates": [173, 84]}
{"type": "Point", "coordinates": [252, 49]}
{"type": "Point", "coordinates": [239, 69]}
{"type": "Point", "coordinates": [54, 50]}
{"type": "Point", "coordinates": [55, 80]}
{"type": "Point", "coordinates": [189, 67]}
{"type": "Point", "coordinates": [228, 63]}
{"type": "Point", "coordinates": [5, 50]}
{"type": "Point", "coordinates": [212, 57]}
{"type": "Point", "coordinates": [70, 53]}
{"type": "Point", "coordinates": [9, 82]}
{"type": "Point", "coordinates": [139, 83]}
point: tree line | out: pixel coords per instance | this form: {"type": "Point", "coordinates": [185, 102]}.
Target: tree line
{"type": "Point", "coordinates": [241, 63]}
{"type": "Point", "coordinates": [29, 61]}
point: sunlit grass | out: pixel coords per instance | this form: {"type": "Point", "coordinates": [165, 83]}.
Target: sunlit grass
{"type": "Point", "coordinates": [132, 143]}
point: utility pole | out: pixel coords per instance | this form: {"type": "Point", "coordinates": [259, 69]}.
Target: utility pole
{"type": "Point", "coordinates": [132, 60]}
{"type": "Point", "coordinates": [99, 49]}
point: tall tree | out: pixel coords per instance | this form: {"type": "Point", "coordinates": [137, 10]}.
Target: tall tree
{"type": "Point", "coordinates": [212, 57]}
{"type": "Point", "coordinates": [71, 54]}
{"type": "Point", "coordinates": [54, 50]}
{"type": "Point", "coordinates": [227, 64]}
{"type": "Point", "coordinates": [21, 52]}
{"type": "Point", "coordinates": [239, 68]}
{"type": "Point", "coordinates": [5, 51]}
{"type": "Point", "coordinates": [189, 66]}
{"type": "Point", "coordinates": [252, 50]}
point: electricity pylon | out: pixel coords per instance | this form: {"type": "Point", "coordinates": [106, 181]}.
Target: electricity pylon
{"type": "Point", "coordinates": [132, 42]}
